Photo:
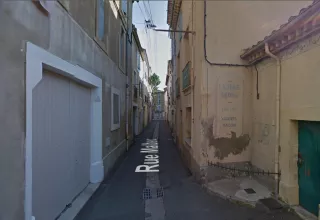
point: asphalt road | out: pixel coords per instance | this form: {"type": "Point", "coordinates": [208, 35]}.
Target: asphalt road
{"type": "Point", "coordinates": [120, 197]}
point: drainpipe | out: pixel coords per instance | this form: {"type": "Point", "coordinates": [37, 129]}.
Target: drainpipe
{"type": "Point", "coordinates": [277, 148]}
{"type": "Point", "coordinates": [128, 66]}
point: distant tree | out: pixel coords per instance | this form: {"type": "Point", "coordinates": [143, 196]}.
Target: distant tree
{"type": "Point", "coordinates": [154, 82]}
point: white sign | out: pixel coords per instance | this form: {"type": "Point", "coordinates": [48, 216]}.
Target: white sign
{"type": "Point", "coordinates": [151, 159]}
{"type": "Point", "coordinates": [230, 104]}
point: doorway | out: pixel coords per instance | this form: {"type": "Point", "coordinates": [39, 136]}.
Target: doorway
{"type": "Point", "coordinates": [309, 165]}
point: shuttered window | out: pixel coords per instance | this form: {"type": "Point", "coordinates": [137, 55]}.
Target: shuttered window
{"type": "Point", "coordinates": [115, 109]}
{"type": "Point", "coordinates": [180, 25]}
{"type": "Point", "coordinates": [186, 76]}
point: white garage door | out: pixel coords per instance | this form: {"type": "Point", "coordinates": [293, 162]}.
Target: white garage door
{"type": "Point", "coordinates": [61, 144]}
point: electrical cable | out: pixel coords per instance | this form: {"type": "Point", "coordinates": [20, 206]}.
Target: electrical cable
{"type": "Point", "coordinates": [146, 10]}
{"type": "Point", "coordinates": [150, 11]}
{"type": "Point", "coordinates": [142, 12]}
{"type": "Point", "coordinates": [205, 45]}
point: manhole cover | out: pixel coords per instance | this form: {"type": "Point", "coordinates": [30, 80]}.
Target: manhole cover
{"type": "Point", "coordinates": [146, 194]}
{"type": "Point", "coordinates": [250, 191]}
{"type": "Point", "coordinates": [271, 203]}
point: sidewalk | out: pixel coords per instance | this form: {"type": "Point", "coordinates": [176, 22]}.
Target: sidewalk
{"type": "Point", "coordinates": [120, 198]}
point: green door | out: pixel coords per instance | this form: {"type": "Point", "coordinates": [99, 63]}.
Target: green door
{"type": "Point", "coordinates": [309, 165]}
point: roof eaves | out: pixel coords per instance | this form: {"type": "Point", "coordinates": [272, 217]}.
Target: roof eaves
{"type": "Point", "coordinates": [136, 37]}
{"type": "Point", "coordinates": [305, 16]}
{"type": "Point", "coordinates": [173, 12]}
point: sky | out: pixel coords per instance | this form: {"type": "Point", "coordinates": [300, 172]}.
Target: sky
{"type": "Point", "coordinates": [156, 43]}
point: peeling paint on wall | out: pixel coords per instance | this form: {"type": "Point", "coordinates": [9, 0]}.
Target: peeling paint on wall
{"type": "Point", "coordinates": [224, 146]}
{"type": "Point", "coordinates": [264, 136]}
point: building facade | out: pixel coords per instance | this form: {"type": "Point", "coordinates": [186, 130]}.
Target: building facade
{"type": "Point", "coordinates": [67, 84]}
{"type": "Point", "coordinates": [141, 88]}
{"type": "Point", "coordinates": [231, 99]}
{"type": "Point", "coordinates": [159, 105]}
{"type": "Point", "coordinates": [169, 97]}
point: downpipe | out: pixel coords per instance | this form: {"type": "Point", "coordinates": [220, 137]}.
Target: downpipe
{"type": "Point", "coordinates": [278, 91]}
{"type": "Point", "coordinates": [128, 70]}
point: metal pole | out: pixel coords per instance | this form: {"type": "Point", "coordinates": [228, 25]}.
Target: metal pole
{"type": "Point", "coordinates": [175, 31]}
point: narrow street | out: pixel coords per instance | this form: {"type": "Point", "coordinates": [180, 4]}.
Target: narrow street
{"type": "Point", "coordinates": [120, 196]}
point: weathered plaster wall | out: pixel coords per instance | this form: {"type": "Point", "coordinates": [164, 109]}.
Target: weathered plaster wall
{"type": "Point", "coordinates": [299, 101]}
{"type": "Point", "coordinates": [226, 114]}
{"type": "Point", "coordinates": [230, 133]}
{"type": "Point", "coordinates": [230, 30]}
{"type": "Point", "coordinates": [62, 36]}
{"type": "Point", "coordinates": [263, 139]}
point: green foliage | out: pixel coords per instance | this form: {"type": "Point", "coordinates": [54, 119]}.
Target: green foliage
{"type": "Point", "coordinates": [154, 82]}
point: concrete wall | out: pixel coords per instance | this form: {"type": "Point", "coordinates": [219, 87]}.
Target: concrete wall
{"type": "Point", "coordinates": [72, 40]}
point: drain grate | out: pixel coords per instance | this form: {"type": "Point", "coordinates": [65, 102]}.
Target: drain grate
{"type": "Point", "coordinates": [160, 192]}
{"type": "Point", "coordinates": [249, 191]}
{"type": "Point", "coordinates": [152, 193]}
{"type": "Point", "coordinates": [146, 194]}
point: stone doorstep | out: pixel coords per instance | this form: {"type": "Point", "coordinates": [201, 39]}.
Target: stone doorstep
{"type": "Point", "coordinates": [304, 214]}
{"type": "Point", "coordinates": [298, 210]}
{"type": "Point", "coordinates": [233, 189]}
{"type": "Point", "coordinates": [79, 202]}
{"type": "Point", "coordinates": [228, 197]}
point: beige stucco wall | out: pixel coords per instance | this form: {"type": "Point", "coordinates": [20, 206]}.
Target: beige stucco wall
{"type": "Point", "coordinates": [236, 25]}
{"type": "Point", "coordinates": [253, 120]}
{"type": "Point", "coordinates": [217, 141]}
{"type": "Point", "coordinates": [300, 84]}
{"type": "Point", "coordinates": [227, 34]}
{"type": "Point", "coordinates": [263, 140]}
{"type": "Point", "coordinates": [299, 101]}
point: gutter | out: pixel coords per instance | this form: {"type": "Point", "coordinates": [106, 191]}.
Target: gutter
{"type": "Point", "coordinates": [278, 91]}
{"type": "Point", "coordinates": [286, 28]}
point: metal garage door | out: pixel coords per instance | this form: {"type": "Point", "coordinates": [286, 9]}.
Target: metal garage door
{"type": "Point", "coordinates": [61, 144]}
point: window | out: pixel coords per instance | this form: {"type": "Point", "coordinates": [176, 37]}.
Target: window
{"type": "Point", "coordinates": [186, 76]}
{"type": "Point", "coordinates": [122, 49]}
{"type": "Point", "coordinates": [158, 98]}
{"type": "Point", "coordinates": [180, 25]}
{"type": "Point", "coordinates": [188, 126]}
{"type": "Point", "coordinates": [100, 19]}
{"type": "Point", "coordinates": [141, 89]}
{"type": "Point", "coordinates": [115, 110]}
{"type": "Point", "coordinates": [138, 60]}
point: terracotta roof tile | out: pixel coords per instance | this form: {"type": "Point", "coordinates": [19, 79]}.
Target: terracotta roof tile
{"type": "Point", "coordinates": [301, 14]}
